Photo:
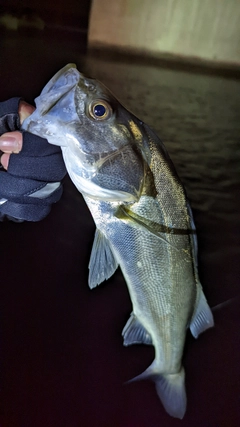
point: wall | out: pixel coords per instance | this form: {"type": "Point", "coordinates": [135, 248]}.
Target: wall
{"type": "Point", "coordinates": [204, 29]}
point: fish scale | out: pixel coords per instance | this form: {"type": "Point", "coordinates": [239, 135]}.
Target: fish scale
{"type": "Point", "coordinates": [150, 301]}
{"type": "Point", "coordinates": [143, 220]}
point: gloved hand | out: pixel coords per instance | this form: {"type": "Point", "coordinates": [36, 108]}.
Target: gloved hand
{"type": "Point", "coordinates": [31, 180]}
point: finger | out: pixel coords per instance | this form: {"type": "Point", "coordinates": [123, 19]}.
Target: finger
{"type": "Point", "coordinates": [11, 142]}
{"type": "Point", "coordinates": [5, 160]}
{"type": "Point", "coordinates": [24, 110]}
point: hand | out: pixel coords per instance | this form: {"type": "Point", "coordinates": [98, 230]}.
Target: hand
{"type": "Point", "coordinates": [31, 182]}
{"type": "Point", "coordinates": [11, 142]}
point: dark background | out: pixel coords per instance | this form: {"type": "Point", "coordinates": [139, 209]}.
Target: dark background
{"type": "Point", "coordinates": [62, 362]}
{"type": "Point", "coordinates": [72, 14]}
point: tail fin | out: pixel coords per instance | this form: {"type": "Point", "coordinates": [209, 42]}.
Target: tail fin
{"type": "Point", "coordinates": [170, 389]}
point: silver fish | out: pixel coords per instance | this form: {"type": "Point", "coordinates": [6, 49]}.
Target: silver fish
{"type": "Point", "coordinates": [143, 220]}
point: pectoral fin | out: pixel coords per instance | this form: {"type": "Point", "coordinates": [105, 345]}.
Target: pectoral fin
{"type": "Point", "coordinates": [102, 262]}
{"type": "Point", "coordinates": [135, 333]}
{"type": "Point", "coordinates": [202, 318]}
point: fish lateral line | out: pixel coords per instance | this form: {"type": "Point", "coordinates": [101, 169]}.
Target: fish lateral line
{"type": "Point", "coordinates": [125, 214]}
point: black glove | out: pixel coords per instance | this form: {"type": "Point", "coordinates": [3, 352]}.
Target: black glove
{"type": "Point", "coordinates": [32, 182]}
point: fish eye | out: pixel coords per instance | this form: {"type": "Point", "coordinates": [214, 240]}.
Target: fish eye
{"type": "Point", "coordinates": [100, 110]}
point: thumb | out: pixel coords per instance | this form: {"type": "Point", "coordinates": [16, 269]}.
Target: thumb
{"type": "Point", "coordinates": [11, 142]}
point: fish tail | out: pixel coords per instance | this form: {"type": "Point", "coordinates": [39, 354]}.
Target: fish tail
{"type": "Point", "coordinates": [171, 391]}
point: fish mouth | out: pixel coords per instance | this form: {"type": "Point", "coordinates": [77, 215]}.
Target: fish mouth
{"type": "Point", "coordinates": [66, 79]}
{"type": "Point", "coordinates": [55, 90]}
{"type": "Point", "coordinates": [60, 84]}
{"type": "Point", "coordinates": [69, 72]}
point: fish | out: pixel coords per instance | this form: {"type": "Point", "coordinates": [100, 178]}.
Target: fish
{"type": "Point", "coordinates": [144, 222]}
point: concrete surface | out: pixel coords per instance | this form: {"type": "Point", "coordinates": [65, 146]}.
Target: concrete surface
{"type": "Point", "coordinates": [205, 30]}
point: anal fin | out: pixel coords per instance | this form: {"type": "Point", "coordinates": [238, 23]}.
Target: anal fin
{"type": "Point", "coordinates": [202, 317]}
{"type": "Point", "coordinates": [102, 262]}
{"type": "Point", "coordinates": [135, 333]}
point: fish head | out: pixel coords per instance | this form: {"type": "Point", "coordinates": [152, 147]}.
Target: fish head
{"type": "Point", "coordinates": [98, 136]}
